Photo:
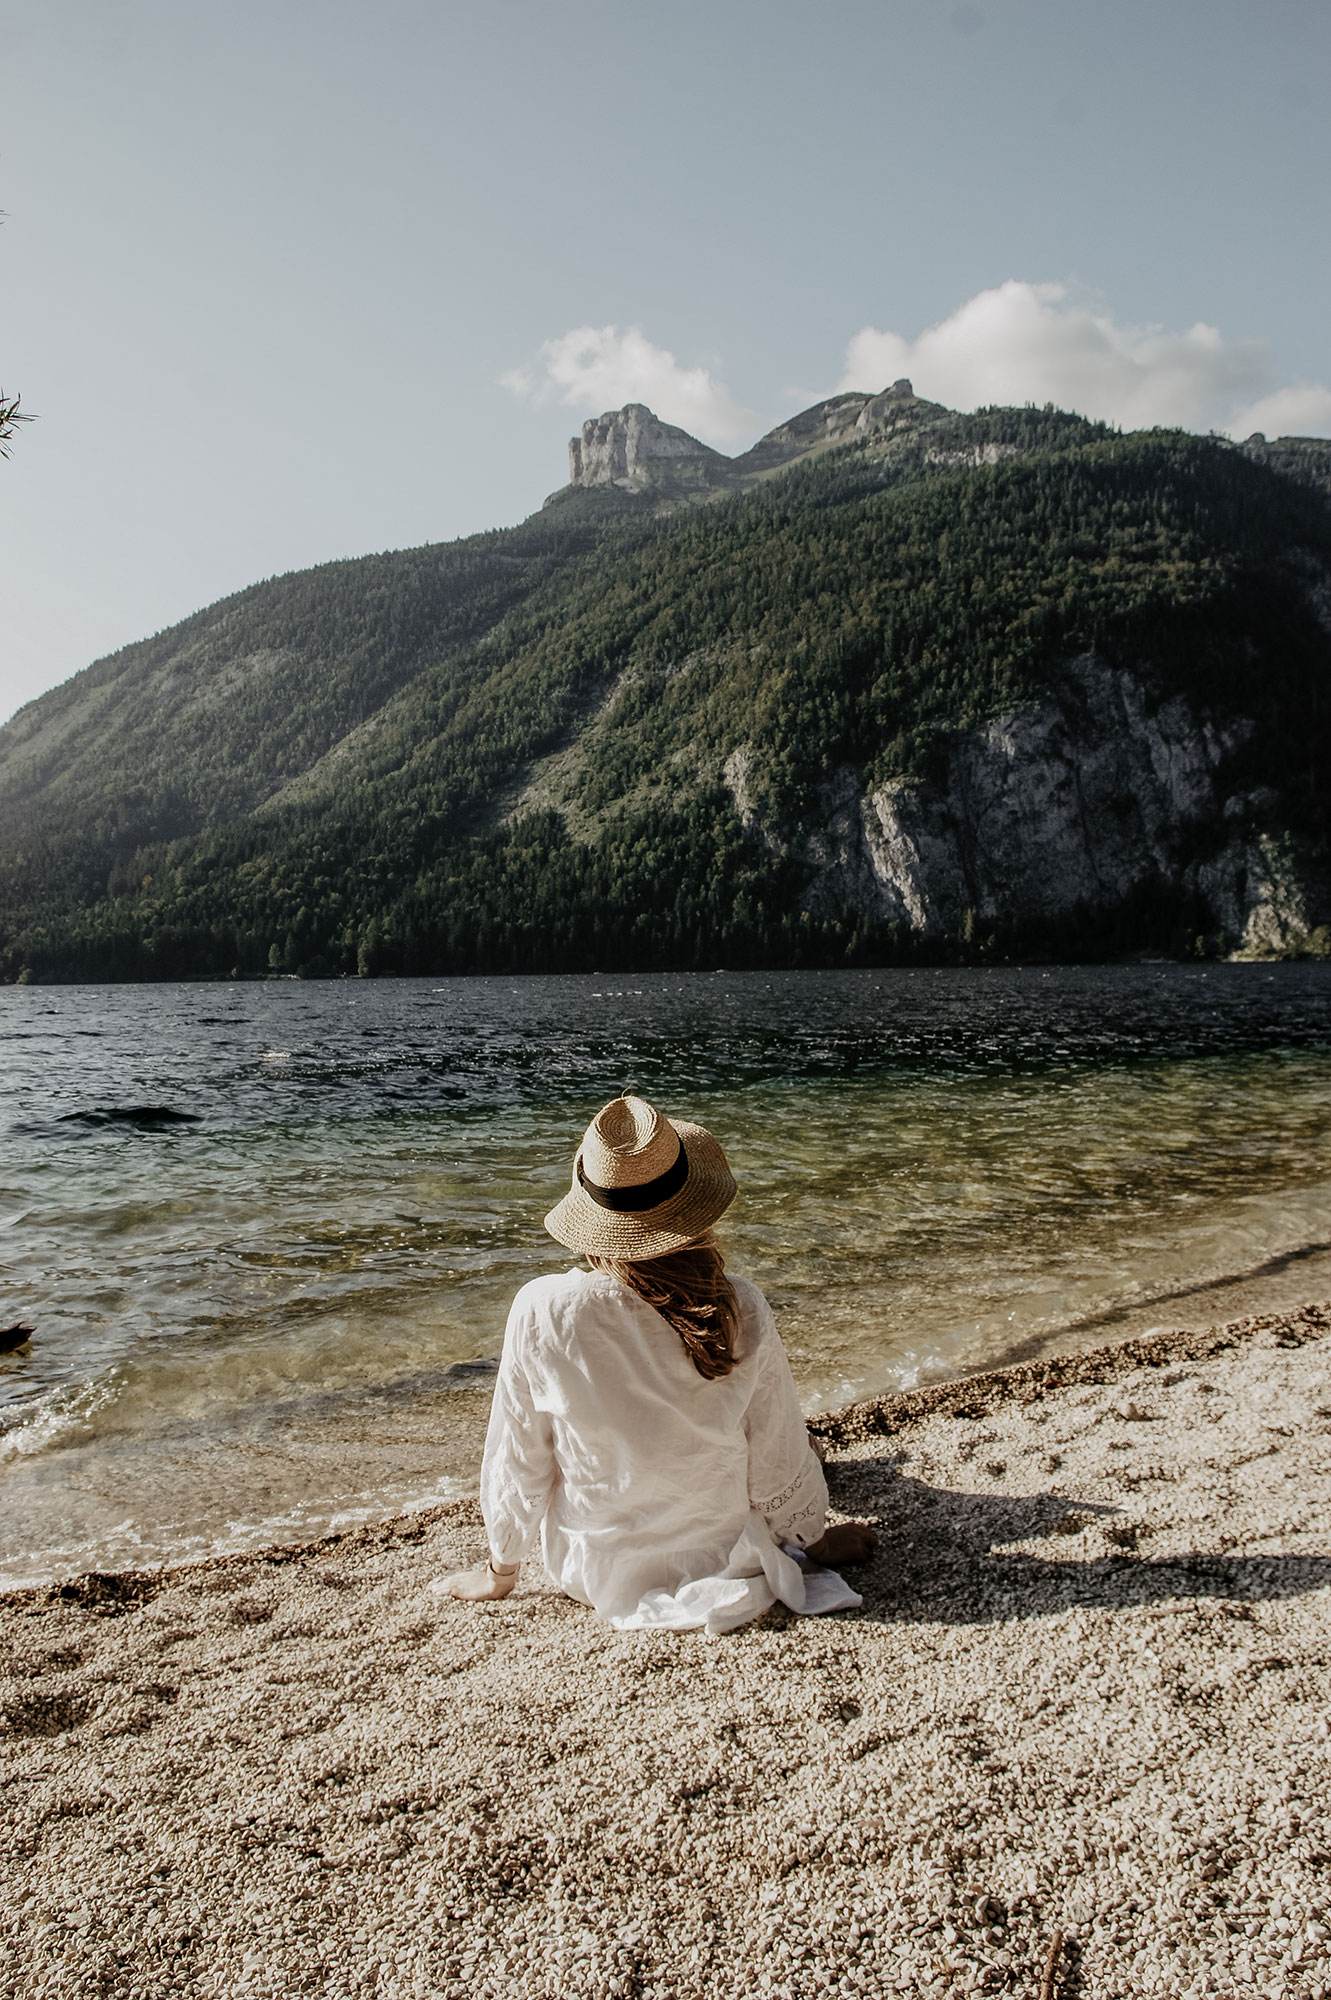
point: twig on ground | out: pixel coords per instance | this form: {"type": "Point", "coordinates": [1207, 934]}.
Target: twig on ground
{"type": "Point", "coordinates": [1051, 1966]}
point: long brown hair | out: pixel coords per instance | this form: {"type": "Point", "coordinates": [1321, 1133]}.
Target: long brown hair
{"type": "Point", "coordinates": [690, 1290]}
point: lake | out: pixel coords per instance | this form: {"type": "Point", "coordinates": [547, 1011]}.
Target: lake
{"type": "Point", "coordinates": [268, 1233]}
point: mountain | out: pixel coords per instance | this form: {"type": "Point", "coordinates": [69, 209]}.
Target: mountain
{"type": "Point", "coordinates": [894, 682]}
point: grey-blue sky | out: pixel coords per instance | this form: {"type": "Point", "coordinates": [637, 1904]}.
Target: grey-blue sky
{"type": "Point", "coordinates": [265, 263]}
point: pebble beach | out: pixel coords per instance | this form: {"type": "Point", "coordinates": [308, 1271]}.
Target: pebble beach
{"type": "Point", "coordinates": [1075, 1743]}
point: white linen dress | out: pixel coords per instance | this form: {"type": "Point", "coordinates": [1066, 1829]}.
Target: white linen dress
{"type": "Point", "coordinates": [660, 1498]}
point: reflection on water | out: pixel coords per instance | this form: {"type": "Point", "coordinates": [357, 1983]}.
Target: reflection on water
{"type": "Point", "coordinates": [259, 1228]}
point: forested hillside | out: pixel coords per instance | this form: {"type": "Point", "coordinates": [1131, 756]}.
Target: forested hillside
{"type": "Point", "coordinates": [204, 722]}
{"type": "Point", "coordinates": [729, 731]}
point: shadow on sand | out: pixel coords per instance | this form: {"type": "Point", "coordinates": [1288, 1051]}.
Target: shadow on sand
{"type": "Point", "coordinates": [949, 1557]}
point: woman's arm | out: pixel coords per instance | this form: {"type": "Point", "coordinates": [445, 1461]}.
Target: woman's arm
{"type": "Point", "coordinates": [786, 1480]}
{"type": "Point", "coordinates": [518, 1473]}
{"type": "Point", "coordinates": [786, 1483]}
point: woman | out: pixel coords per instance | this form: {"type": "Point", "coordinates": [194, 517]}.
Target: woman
{"type": "Point", "coordinates": [645, 1423]}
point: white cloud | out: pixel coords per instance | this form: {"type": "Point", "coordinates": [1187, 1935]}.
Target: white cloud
{"type": "Point", "coordinates": [1023, 343]}
{"type": "Point", "coordinates": [596, 368]}
{"type": "Point", "coordinates": [1304, 411]}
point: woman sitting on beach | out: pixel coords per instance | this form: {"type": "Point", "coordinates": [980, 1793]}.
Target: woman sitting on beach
{"type": "Point", "coordinates": [645, 1422]}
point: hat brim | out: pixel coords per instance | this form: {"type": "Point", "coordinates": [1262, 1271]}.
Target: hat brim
{"type": "Point", "coordinates": [581, 1224]}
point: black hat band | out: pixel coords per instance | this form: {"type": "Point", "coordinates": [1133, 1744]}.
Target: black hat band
{"type": "Point", "coordinates": [648, 1194]}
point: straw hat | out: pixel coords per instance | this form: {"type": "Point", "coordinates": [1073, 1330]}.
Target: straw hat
{"type": "Point", "coordinates": [642, 1186]}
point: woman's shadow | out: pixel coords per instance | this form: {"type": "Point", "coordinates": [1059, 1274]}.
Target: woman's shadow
{"type": "Point", "coordinates": [956, 1558]}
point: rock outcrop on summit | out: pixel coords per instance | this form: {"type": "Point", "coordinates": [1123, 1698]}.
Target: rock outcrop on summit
{"type": "Point", "coordinates": [633, 450]}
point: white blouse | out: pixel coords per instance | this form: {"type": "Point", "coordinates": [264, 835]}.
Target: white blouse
{"type": "Point", "coordinates": [660, 1498]}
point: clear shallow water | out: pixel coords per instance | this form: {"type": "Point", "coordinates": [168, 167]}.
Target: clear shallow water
{"type": "Point", "coordinates": [262, 1229]}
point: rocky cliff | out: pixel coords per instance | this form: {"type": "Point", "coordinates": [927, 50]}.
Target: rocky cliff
{"type": "Point", "coordinates": [1077, 803]}
{"type": "Point", "coordinates": [633, 450]}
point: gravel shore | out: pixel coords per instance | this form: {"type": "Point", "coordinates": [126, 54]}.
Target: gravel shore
{"type": "Point", "coordinates": [1089, 1692]}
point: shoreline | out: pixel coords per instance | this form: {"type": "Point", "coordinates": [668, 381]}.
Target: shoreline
{"type": "Point", "coordinates": [966, 1395]}
{"type": "Point", "coordinates": [949, 954]}
{"type": "Point", "coordinates": [899, 1408]}
{"type": "Point", "coordinates": [1281, 1284]}
{"type": "Point", "coordinates": [1088, 1691]}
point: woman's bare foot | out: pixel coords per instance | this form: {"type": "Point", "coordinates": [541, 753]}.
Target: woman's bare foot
{"type": "Point", "coordinates": [846, 1542]}
{"type": "Point", "coordinates": [475, 1586]}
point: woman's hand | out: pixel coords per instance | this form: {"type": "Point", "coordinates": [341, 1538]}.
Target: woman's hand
{"type": "Point", "coordinates": [846, 1542]}
{"type": "Point", "coordinates": [478, 1586]}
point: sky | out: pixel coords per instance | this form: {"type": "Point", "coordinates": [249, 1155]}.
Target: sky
{"type": "Point", "coordinates": [289, 280]}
